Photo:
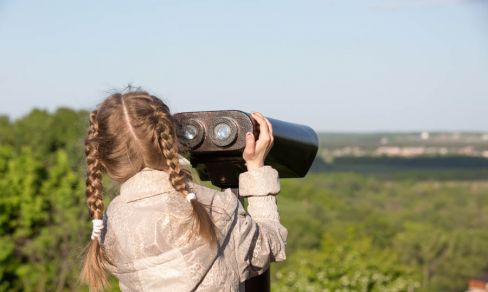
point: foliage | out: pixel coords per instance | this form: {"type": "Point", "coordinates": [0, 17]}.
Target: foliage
{"type": "Point", "coordinates": [350, 263]}
{"type": "Point", "coordinates": [437, 229]}
{"type": "Point", "coordinates": [347, 231]}
{"type": "Point", "coordinates": [40, 219]}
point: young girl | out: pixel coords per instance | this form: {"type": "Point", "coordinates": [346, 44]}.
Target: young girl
{"type": "Point", "coordinates": [163, 232]}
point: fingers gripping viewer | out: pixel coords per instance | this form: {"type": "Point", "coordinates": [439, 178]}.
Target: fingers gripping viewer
{"type": "Point", "coordinates": [163, 232]}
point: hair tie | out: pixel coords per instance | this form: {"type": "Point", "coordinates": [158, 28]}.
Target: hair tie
{"type": "Point", "coordinates": [191, 196]}
{"type": "Point", "coordinates": [97, 228]}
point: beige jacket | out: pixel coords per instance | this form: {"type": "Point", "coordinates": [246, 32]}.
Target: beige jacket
{"type": "Point", "coordinates": [147, 234]}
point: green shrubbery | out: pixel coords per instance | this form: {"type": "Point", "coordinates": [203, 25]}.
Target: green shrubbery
{"type": "Point", "coordinates": [400, 235]}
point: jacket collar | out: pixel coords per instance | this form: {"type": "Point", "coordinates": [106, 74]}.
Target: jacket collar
{"type": "Point", "coordinates": [146, 183]}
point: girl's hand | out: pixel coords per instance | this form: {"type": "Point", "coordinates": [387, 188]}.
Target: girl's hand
{"type": "Point", "coordinates": [255, 152]}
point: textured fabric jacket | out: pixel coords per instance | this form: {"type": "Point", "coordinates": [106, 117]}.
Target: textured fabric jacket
{"type": "Point", "coordinates": [147, 236]}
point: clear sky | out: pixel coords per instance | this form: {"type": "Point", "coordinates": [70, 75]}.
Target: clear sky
{"type": "Point", "coordinates": [365, 65]}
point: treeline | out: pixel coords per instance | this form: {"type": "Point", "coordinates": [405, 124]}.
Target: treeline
{"type": "Point", "coordinates": [347, 232]}
{"type": "Point", "coordinates": [418, 168]}
{"type": "Point", "coordinates": [372, 140]}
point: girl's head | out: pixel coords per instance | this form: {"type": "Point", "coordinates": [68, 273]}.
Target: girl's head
{"type": "Point", "coordinates": [127, 133]}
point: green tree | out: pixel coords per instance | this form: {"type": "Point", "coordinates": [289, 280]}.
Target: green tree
{"type": "Point", "coordinates": [21, 212]}
{"type": "Point", "coordinates": [43, 222]}
{"type": "Point", "coordinates": [54, 253]}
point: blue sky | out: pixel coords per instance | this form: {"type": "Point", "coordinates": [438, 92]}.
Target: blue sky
{"type": "Point", "coordinates": [340, 65]}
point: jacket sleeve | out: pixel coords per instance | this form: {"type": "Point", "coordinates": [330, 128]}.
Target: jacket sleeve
{"type": "Point", "coordinates": [259, 236]}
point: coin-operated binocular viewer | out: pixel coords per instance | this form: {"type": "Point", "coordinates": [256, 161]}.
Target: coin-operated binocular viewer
{"type": "Point", "coordinates": [216, 140]}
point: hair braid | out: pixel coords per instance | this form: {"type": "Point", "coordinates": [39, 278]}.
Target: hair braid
{"type": "Point", "coordinates": [94, 267]}
{"type": "Point", "coordinates": [165, 134]}
{"type": "Point", "coordinates": [94, 187]}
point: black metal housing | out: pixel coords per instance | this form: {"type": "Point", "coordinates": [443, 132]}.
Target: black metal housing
{"type": "Point", "coordinates": [295, 146]}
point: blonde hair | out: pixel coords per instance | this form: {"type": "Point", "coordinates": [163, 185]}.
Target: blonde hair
{"type": "Point", "coordinates": [127, 133]}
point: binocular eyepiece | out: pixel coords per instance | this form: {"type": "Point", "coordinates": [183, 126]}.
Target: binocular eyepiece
{"type": "Point", "coordinates": [216, 140]}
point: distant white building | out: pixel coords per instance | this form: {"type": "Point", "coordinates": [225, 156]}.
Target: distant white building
{"type": "Point", "coordinates": [424, 135]}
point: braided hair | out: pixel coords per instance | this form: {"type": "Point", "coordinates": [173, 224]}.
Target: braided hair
{"type": "Point", "coordinates": [94, 267]}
